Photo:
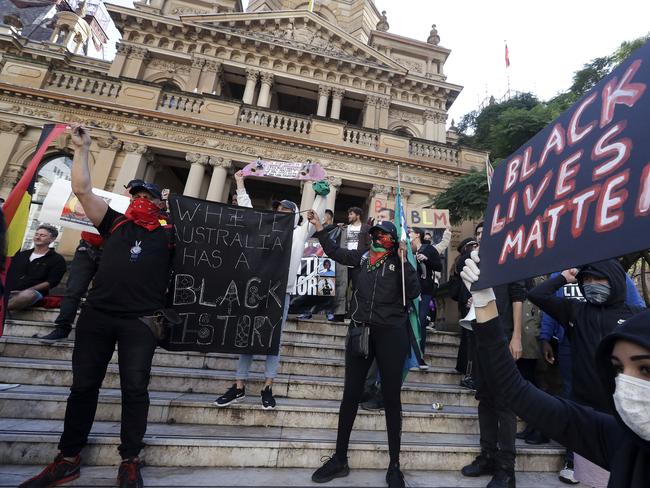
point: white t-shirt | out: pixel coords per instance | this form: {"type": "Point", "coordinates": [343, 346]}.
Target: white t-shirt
{"type": "Point", "coordinates": [35, 255]}
{"type": "Point", "coordinates": [353, 236]}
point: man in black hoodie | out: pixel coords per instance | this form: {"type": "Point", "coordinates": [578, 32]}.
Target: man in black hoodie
{"type": "Point", "coordinates": [620, 442]}
{"type": "Point", "coordinates": [603, 285]}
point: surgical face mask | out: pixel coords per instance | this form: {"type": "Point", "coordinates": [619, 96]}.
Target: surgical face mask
{"type": "Point", "coordinates": [632, 400]}
{"type": "Point", "coordinates": [596, 292]}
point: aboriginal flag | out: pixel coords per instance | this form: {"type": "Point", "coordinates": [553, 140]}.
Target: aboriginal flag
{"type": "Point", "coordinates": [16, 207]}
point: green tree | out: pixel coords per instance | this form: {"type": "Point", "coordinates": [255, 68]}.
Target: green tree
{"type": "Point", "coordinates": [466, 197]}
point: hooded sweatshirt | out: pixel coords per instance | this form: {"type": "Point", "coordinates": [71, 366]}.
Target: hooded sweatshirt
{"type": "Point", "coordinates": [586, 324]}
{"type": "Point", "coordinates": [601, 438]}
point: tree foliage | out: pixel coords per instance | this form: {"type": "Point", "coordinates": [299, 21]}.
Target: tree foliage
{"type": "Point", "coordinates": [465, 198]}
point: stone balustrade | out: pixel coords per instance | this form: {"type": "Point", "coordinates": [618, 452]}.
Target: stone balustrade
{"type": "Point", "coordinates": [173, 102]}
{"type": "Point", "coordinates": [83, 84]}
{"type": "Point", "coordinates": [274, 120]}
{"type": "Point", "coordinates": [433, 151]}
{"type": "Point", "coordinates": [361, 137]}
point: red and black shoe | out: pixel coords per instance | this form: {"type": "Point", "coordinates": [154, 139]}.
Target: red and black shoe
{"type": "Point", "coordinates": [128, 476]}
{"type": "Point", "coordinates": [56, 473]}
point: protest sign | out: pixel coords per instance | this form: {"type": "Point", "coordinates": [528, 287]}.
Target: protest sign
{"type": "Point", "coordinates": [428, 218]}
{"type": "Point", "coordinates": [307, 171]}
{"type": "Point", "coordinates": [317, 276]}
{"type": "Point", "coordinates": [62, 208]}
{"type": "Point", "coordinates": [579, 191]}
{"type": "Point", "coordinates": [230, 277]}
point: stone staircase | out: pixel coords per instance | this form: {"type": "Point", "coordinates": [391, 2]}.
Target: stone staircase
{"type": "Point", "coordinates": [187, 431]}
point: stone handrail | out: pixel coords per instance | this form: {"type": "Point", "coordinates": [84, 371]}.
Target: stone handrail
{"type": "Point", "coordinates": [361, 137]}
{"type": "Point", "coordinates": [179, 102]}
{"type": "Point", "coordinates": [433, 151]}
{"type": "Point", "coordinates": [274, 120]}
{"type": "Point", "coordinates": [88, 85]}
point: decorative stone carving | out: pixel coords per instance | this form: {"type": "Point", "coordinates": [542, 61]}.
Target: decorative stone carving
{"type": "Point", "coordinates": [384, 102]}
{"type": "Point", "coordinates": [406, 193]}
{"type": "Point", "coordinates": [338, 93]}
{"type": "Point", "coordinates": [411, 65]}
{"type": "Point", "coordinates": [371, 101]}
{"type": "Point", "coordinates": [12, 127]}
{"type": "Point", "coordinates": [383, 25]}
{"type": "Point", "coordinates": [252, 75]}
{"type": "Point", "coordinates": [213, 66]}
{"type": "Point", "coordinates": [324, 91]}
{"type": "Point", "coordinates": [434, 38]}
{"type": "Point", "coordinates": [198, 63]}
{"type": "Point", "coordinates": [380, 190]}
{"type": "Point", "coordinates": [109, 143]}
{"type": "Point", "coordinates": [202, 159]}
{"type": "Point", "coordinates": [220, 162]}
{"type": "Point", "coordinates": [335, 182]}
{"type": "Point", "coordinates": [134, 147]}
{"type": "Point", "coordinates": [430, 115]}
{"type": "Point", "coordinates": [169, 66]}
{"type": "Point", "coordinates": [139, 52]}
{"type": "Point", "coordinates": [405, 116]}
{"type": "Point", "coordinates": [267, 78]}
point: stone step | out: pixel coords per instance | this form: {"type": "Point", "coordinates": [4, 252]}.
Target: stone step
{"type": "Point", "coordinates": [21, 347]}
{"type": "Point", "coordinates": [212, 381]}
{"type": "Point", "coordinates": [35, 442]}
{"type": "Point", "coordinates": [48, 403]}
{"type": "Point", "coordinates": [156, 477]}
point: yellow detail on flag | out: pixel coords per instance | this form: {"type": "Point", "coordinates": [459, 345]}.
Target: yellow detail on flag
{"type": "Point", "coordinates": [311, 5]}
{"type": "Point", "coordinates": [18, 226]}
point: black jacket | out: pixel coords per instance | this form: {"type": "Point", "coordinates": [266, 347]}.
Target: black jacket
{"type": "Point", "coordinates": [428, 267]}
{"type": "Point", "coordinates": [587, 324]}
{"type": "Point", "coordinates": [24, 273]}
{"type": "Point", "coordinates": [377, 300]}
{"type": "Point", "coordinates": [603, 439]}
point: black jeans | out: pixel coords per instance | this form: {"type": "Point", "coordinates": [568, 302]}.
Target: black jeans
{"type": "Point", "coordinates": [97, 334]}
{"type": "Point", "coordinates": [424, 312]}
{"type": "Point", "coordinates": [497, 423]}
{"type": "Point", "coordinates": [81, 272]}
{"type": "Point", "coordinates": [390, 347]}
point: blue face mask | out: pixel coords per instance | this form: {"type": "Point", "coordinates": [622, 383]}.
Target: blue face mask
{"type": "Point", "coordinates": [596, 293]}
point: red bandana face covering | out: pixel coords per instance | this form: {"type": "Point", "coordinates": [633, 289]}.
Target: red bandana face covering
{"type": "Point", "coordinates": [144, 213]}
{"type": "Point", "coordinates": [380, 248]}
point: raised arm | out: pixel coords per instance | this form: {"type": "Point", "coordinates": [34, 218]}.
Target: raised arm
{"type": "Point", "coordinates": [348, 257]}
{"type": "Point", "coordinates": [561, 309]}
{"type": "Point", "coordinates": [94, 206]}
{"type": "Point", "coordinates": [243, 199]}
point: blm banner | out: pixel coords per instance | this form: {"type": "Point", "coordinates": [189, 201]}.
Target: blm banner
{"type": "Point", "coordinates": [230, 277]}
{"type": "Point", "coordinates": [579, 191]}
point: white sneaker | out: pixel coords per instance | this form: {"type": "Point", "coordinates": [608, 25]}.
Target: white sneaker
{"type": "Point", "coordinates": [566, 476]}
{"type": "Point", "coordinates": [423, 366]}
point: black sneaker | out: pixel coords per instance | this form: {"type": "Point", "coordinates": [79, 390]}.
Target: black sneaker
{"type": "Point", "coordinates": [481, 466]}
{"type": "Point", "coordinates": [233, 395]}
{"type": "Point", "coordinates": [502, 479]}
{"type": "Point", "coordinates": [374, 404]}
{"type": "Point", "coordinates": [394, 477]}
{"type": "Point", "coordinates": [57, 334]}
{"type": "Point", "coordinates": [268, 401]}
{"type": "Point", "coordinates": [468, 382]}
{"type": "Point", "coordinates": [333, 468]}
{"type": "Point", "coordinates": [56, 473]}
{"type": "Point", "coordinates": [536, 438]}
{"type": "Point", "coordinates": [128, 475]}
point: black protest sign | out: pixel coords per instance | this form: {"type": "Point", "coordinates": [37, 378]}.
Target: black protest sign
{"type": "Point", "coordinates": [230, 277]}
{"type": "Point", "coordinates": [579, 191]}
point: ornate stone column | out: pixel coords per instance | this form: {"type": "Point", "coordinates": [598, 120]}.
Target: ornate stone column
{"type": "Point", "coordinates": [337, 101]}
{"type": "Point", "coordinates": [136, 62]}
{"type": "Point", "coordinates": [430, 118]}
{"type": "Point", "coordinates": [120, 59]}
{"type": "Point", "coordinates": [10, 134]}
{"type": "Point", "coordinates": [335, 184]}
{"type": "Point", "coordinates": [251, 81]}
{"type": "Point", "coordinates": [218, 180]}
{"type": "Point", "coordinates": [108, 148]}
{"type": "Point", "coordinates": [441, 127]}
{"type": "Point", "coordinates": [379, 195]}
{"type": "Point", "coordinates": [308, 196]}
{"type": "Point", "coordinates": [323, 99]}
{"type": "Point", "coordinates": [197, 171]}
{"type": "Point", "coordinates": [264, 99]}
{"type": "Point", "coordinates": [370, 112]}
{"type": "Point", "coordinates": [384, 105]}
{"type": "Point", "coordinates": [211, 78]}
{"type": "Point", "coordinates": [133, 164]}
{"type": "Point", "coordinates": [195, 74]}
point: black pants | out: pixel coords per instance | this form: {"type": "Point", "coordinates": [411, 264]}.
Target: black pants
{"type": "Point", "coordinates": [81, 272]}
{"type": "Point", "coordinates": [390, 347]}
{"type": "Point", "coordinates": [497, 423]}
{"type": "Point", "coordinates": [97, 334]}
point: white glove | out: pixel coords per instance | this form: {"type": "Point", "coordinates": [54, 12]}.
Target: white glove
{"type": "Point", "coordinates": [444, 242]}
{"type": "Point", "coordinates": [470, 274]}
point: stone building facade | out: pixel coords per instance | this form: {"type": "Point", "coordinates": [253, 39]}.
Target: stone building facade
{"type": "Point", "coordinates": [198, 89]}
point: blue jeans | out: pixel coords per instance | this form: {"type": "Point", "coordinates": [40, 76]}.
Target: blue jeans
{"type": "Point", "coordinates": [272, 362]}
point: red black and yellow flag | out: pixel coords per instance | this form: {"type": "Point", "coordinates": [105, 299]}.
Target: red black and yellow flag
{"type": "Point", "coordinates": [16, 207]}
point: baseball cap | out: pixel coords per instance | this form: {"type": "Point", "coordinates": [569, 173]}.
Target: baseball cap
{"type": "Point", "coordinates": [288, 204]}
{"type": "Point", "coordinates": [133, 183]}
{"type": "Point", "coordinates": [385, 226]}
{"type": "Point", "coordinates": [151, 188]}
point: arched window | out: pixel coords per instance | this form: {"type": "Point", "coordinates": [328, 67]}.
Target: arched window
{"type": "Point", "coordinates": [404, 131]}
{"type": "Point", "coordinates": [55, 167]}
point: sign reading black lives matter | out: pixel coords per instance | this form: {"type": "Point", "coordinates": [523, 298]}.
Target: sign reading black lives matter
{"type": "Point", "coordinates": [579, 191]}
{"type": "Point", "coordinates": [230, 277]}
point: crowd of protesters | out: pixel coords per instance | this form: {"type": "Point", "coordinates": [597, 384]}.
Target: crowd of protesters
{"type": "Point", "coordinates": [585, 325]}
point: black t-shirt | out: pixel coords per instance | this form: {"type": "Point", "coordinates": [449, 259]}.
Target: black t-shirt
{"type": "Point", "coordinates": [135, 268]}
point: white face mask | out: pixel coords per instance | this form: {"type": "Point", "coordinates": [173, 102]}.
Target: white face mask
{"type": "Point", "coordinates": [632, 400]}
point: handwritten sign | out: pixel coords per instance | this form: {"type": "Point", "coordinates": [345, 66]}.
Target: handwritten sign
{"type": "Point", "coordinates": [428, 218]}
{"type": "Point", "coordinates": [230, 276]}
{"type": "Point", "coordinates": [317, 272]}
{"type": "Point", "coordinates": [307, 171]}
{"type": "Point", "coordinates": [579, 191]}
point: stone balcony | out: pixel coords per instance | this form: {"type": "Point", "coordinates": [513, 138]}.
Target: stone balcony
{"type": "Point", "coordinates": [211, 108]}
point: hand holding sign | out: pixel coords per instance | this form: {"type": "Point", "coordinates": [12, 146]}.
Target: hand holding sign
{"type": "Point", "coordinates": [570, 275]}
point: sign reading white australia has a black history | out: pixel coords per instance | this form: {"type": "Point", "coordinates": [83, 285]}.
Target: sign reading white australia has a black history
{"type": "Point", "coordinates": [230, 277]}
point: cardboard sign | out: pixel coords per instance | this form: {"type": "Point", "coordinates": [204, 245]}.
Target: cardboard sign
{"type": "Point", "coordinates": [428, 218]}
{"type": "Point", "coordinates": [62, 208]}
{"type": "Point", "coordinates": [230, 277]}
{"type": "Point", "coordinates": [317, 272]}
{"type": "Point", "coordinates": [281, 169]}
{"type": "Point", "coordinates": [579, 191]}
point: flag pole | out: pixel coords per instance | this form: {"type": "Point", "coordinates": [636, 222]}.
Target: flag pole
{"type": "Point", "coordinates": [401, 257]}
